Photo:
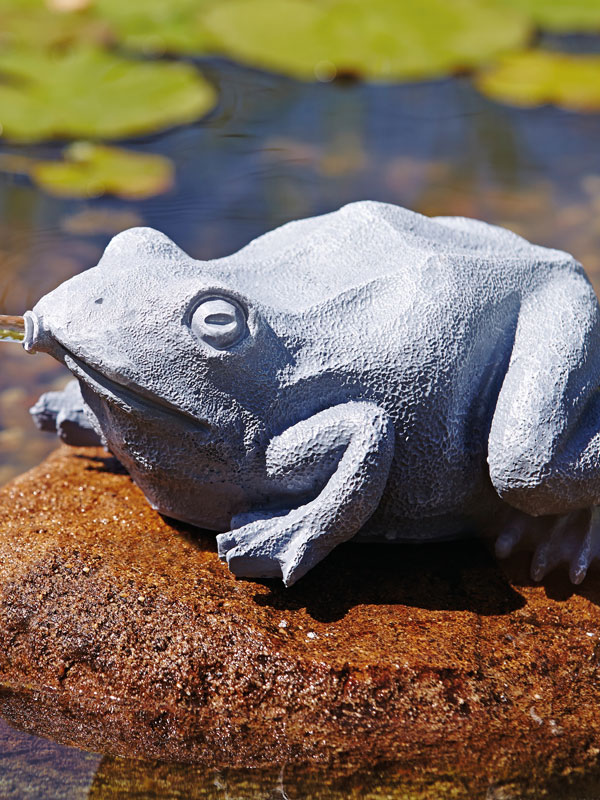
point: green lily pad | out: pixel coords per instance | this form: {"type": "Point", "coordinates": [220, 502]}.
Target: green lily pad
{"type": "Point", "coordinates": [381, 39]}
{"type": "Point", "coordinates": [535, 77]}
{"type": "Point", "coordinates": [560, 15]}
{"type": "Point", "coordinates": [159, 26]}
{"type": "Point", "coordinates": [86, 92]}
{"type": "Point", "coordinates": [90, 170]}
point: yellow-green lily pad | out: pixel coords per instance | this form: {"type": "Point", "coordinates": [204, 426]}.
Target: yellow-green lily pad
{"type": "Point", "coordinates": [380, 39]}
{"type": "Point", "coordinates": [159, 26]}
{"type": "Point", "coordinates": [536, 77]}
{"type": "Point", "coordinates": [90, 170]}
{"type": "Point", "coordinates": [560, 15]}
{"type": "Point", "coordinates": [88, 93]}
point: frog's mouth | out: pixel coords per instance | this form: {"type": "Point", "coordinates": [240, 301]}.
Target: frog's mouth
{"type": "Point", "coordinates": [130, 397]}
{"type": "Point", "coordinates": [126, 395]}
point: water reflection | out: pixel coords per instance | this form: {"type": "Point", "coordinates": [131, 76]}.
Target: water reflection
{"type": "Point", "coordinates": [120, 779]}
{"type": "Point", "coordinates": [36, 769]}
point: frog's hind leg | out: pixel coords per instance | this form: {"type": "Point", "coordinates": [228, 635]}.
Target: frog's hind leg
{"type": "Point", "coordinates": [572, 539]}
{"type": "Point", "coordinates": [544, 441]}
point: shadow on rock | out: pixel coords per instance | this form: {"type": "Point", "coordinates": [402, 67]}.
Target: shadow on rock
{"type": "Point", "coordinates": [557, 585]}
{"type": "Point", "coordinates": [454, 576]}
{"type": "Point", "coordinates": [100, 463]}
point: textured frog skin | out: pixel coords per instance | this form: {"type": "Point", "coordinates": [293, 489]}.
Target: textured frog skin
{"type": "Point", "coordinates": [376, 373]}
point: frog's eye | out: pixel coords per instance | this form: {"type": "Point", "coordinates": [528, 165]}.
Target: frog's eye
{"type": "Point", "coordinates": [219, 321]}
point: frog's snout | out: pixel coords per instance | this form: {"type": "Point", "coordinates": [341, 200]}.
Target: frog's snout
{"type": "Point", "coordinates": [37, 337]}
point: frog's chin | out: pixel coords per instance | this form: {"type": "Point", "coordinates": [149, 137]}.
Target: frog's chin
{"type": "Point", "coordinates": [205, 504]}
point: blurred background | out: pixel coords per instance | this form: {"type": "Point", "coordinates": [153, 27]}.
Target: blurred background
{"type": "Point", "coordinates": [216, 120]}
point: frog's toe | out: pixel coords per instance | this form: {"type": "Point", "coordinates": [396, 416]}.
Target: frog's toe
{"type": "Point", "coordinates": [225, 543]}
{"type": "Point", "coordinates": [572, 539]}
{"type": "Point", "coordinates": [512, 535]}
{"type": "Point", "coordinates": [268, 548]}
{"type": "Point", "coordinates": [545, 558]}
{"type": "Point", "coordinates": [580, 563]}
{"type": "Point", "coordinates": [587, 549]}
{"type": "Point", "coordinates": [252, 565]}
{"type": "Point", "coordinates": [248, 535]}
{"type": "Point", "coordinates": [252, 551]}
{"type": "Point", "coordinates": [569, 539]}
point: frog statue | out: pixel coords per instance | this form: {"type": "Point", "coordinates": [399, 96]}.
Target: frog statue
{"type": "Point", "coordinates": [369, 373]}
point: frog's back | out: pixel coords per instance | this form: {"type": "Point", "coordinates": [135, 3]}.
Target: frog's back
{"type": "Point", "coordinates": [417, 315]}
{"type": "Point", "coordinates": [306, 262]}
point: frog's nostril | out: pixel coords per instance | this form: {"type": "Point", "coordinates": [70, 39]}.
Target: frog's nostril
{"type": "Point", "coordinates": [36, 337]}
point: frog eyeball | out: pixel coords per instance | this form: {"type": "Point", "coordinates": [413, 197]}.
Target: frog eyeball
{"type": "Point", "coordinates": [219, 321]}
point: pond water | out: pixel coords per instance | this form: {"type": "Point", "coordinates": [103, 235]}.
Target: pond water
{"type": "Point", "coordinates": [274, 150]}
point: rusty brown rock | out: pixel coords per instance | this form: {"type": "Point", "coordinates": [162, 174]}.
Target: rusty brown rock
{"type": "Point", "coordinates": [123, 632]}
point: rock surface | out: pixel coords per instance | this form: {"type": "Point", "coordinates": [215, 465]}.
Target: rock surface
{"type": "Point", "coordinates": [123, 632]}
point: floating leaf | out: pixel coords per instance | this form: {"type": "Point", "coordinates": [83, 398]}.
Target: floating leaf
{"type": "Point", "coordinates": [560, 15]}
{"type": "Point", "coordinates": [383, 39]}
{"type": "Point", "coordinates": [86, 92]}
{"type": "Point", "coordinates": [535, 77]}
{"type": "Point", "coordinates": [90, 170]}
{"type": "Point", "coordinates": [159, 26]}
{"type": "Point", "coordinates": [41, 25]}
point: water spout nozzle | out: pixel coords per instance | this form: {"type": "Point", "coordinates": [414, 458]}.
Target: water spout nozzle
{"type": "Point", "coordinates": [27, 330]}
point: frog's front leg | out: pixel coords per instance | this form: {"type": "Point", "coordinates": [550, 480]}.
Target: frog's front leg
{"type": "Point", "coordinates": [343, 453]}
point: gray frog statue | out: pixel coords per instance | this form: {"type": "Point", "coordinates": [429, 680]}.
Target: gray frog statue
{"type": "Point", "coordinates": [369, 373]}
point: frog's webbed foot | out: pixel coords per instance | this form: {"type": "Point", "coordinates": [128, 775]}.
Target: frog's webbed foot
{"type": "Point", "coordinates": [572, 539]}
{"type": "Point", "coordinates": [66, 414]}
{"type": "Point", "coordinates": [270, 546]}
